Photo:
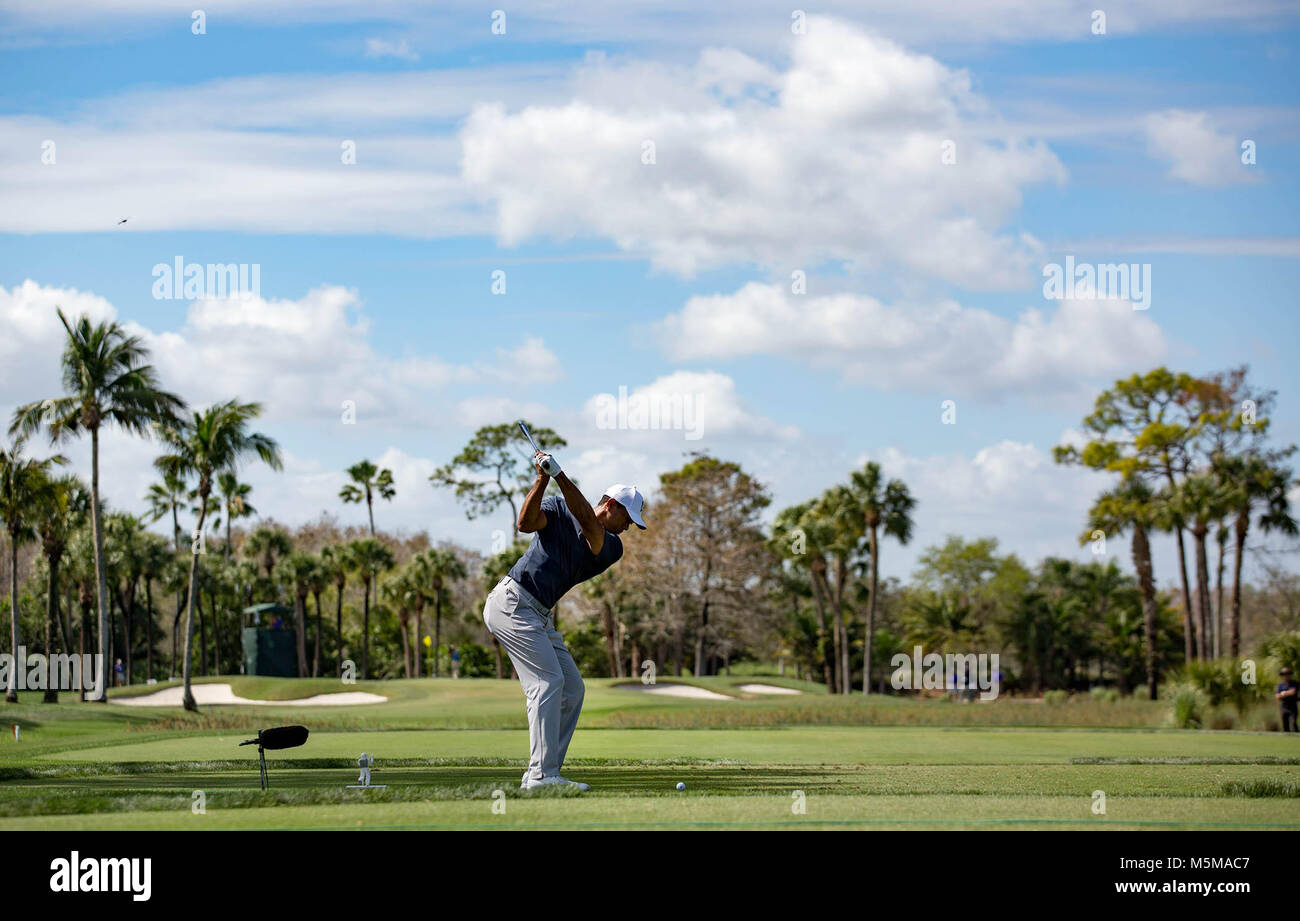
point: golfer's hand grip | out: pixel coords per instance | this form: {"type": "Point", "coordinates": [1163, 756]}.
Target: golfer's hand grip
{"type": "Point", "coordinates": [550, 466]}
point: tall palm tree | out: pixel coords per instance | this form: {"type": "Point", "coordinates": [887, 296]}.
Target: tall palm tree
{"type": "Point", "coordinates": [213, 440]}
{"type": "Point", "coordinates": [367, 481]}
{"type": "Point", "coordinates": [234, 501]}
{"type": "Point", "coordinates": [1195, 503]}
{"type": "Point", "coordinates": [435, 569]}
{"type": "Point", "coordinates": [883, 505]}
{"type": "Point", "coordinates": [317, 581]}
{"type": "Point", "coordinates": [297, 569]}
{"type": "Point", "coordinates": [799, 534]}
{"type": "Point", "coordinates": [124, 544]}
{"type": "Point", "coordinates": [372, 557]}
{"type": "Point", "coordinates": [166, 498]}
{"type": "Point", "coordinates": [22, 482]}
{"type": "Point", "coordinates": [106, 382]}
{"type": "Point", "coordinates": [156, 555]}
{"type": "Point", "coordinates": [1133, 505]}
{"type": "Point", "coordinates": [59, 510]}
{"type": "Point", "coordinates": [336, 562]}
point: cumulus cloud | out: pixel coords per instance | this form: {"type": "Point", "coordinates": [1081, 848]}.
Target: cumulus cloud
{"type": "Point", "coordinates": [1197, 150]}
{"type": "Point", "coordinates": [682, 406]}
{"type": "Point", "coordinates": [928, 347]}
{"type": "Point", "coordinates": [302, 358]}
{"type": "Point", "coordinates": [837, 157]}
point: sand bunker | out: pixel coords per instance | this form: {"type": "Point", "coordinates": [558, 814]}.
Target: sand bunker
{"type": "Point", "coordinates": [766, 689]}
{"type": "Point", "coordinates": [222, 694]}
{"type": "Point", "coordinates": [676, 690]}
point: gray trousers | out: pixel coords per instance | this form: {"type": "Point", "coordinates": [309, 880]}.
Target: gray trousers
{"type": "Point", "coordinates": [553, 689]}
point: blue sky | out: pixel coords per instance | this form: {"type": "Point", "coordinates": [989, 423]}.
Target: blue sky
{"type": "Point", "coordinates": [775, 152]}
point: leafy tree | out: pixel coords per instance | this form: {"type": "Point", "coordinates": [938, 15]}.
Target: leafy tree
{"type": "Point", "coordinates": [495, 467]}
{"type": "Point", "coordinates": [212, 441]}
{"type": "Point", "coordinates": [105, 381]}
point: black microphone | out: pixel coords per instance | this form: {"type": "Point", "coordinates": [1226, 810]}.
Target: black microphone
{"type": "Point", "coordinates": [279, 737]}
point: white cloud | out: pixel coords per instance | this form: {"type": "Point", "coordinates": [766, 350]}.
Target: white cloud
{"type": "Point", "coordinates": [838, 157]}
{"type": "Point", "coordinates": [683, 409]}
{"type": "Point", "coordinates": [300, 358]}
{"type": "Point", "coordinates": [1197, 150]}
{"type": "Point", "coordinates": [382, 48]}
{"type": "Point", "coordinates": [926, 347]}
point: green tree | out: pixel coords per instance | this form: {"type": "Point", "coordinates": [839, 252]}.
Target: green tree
{"type": "Point", "coordinates": [336, 562]}
{"type": "Point", "coordinates": [22, 482]}
{"type": "Point", "coordinates": [433, 572]}
{"type": "Point", "coordinates": [1131, 506]}
{"type": "Point", "coordinates": [106, 382]}
{"type": "Point", "coordinates": [495, 467]}
{"type": "Point", "coordinates": [887, 507]}
{"type": "Point", "coordinates": [367, 482]}
{"type": "Point", "coordinates": [298, 569]}
{"type": "Point", "coordinates": [60, 508]}
{"type": "Point", "coordinates": [213, 440]}
{"type": "Point", "coordinates": [234, 501]}
{"type": "Point", "coordinates": [1143, 426]}
{"type": "Point", "coordinates": [371, 557]}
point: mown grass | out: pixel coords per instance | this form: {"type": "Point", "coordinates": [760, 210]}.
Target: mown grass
{"type": "Point", "coordinates": [448, 751]}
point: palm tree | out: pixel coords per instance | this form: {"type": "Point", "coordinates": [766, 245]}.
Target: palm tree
{"type": "Point", "coordinates": [1196, 502]}
{"type": "Point", "coordinates": [213, 440]}
{"type": "Point", "coordinates": [799, 534]}
{"type": "Point", "coordinates": [367, 479]}
{"type": "Point", "coordinates": [317, 581]}
{"type": "Point", "coordinates": [166, 498]}
{"type": "Point", "coordinates": [123, 535]}
{"type": "Point", "coordinates": [371, 557]}
{"type": "Point", "coordinates": [234, 500]}
{"type": "Point", "coordinates": [105, 381]}
{"type": "Point", "coordinates": [22, 481]}
{"type": "Point", "coordinates": [58, 511]}
{"type": "Point", "coordinates": [1254, 483]}
{"type": "Point", "coordinates": [402, 594]}
{"type": "Point", "coordinates": [156, 555]}
{"type": "Point", "coordinates": [434, 569]}
{"type": "Point", "coordinates": [883, 505]}
{"type": "Point", "coordinates": [296, 570]}
{"type": "Point", "coordinates": [1132, 504]}
{"type": "Point", "coordinates": [336, 563]}
{"type": "Point", "coordinates": [265, 545]}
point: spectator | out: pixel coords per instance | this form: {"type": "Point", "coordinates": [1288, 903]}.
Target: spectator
{"type": "Point", "coordinates": [119, 673]}
{"type": "Point", "coordinates": [455, 662]}
{"type": "Point", "coordinates": [1286, 698]}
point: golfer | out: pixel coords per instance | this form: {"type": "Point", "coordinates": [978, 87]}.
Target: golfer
{"type": "Point", "coordinates": [572, 543]}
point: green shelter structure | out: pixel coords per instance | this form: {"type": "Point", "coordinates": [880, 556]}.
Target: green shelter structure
{"type": "Point", "coordinates": [270, 649]}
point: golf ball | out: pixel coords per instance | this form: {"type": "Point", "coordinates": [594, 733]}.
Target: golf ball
{"type": "Point", "coordinates": [680, 785]}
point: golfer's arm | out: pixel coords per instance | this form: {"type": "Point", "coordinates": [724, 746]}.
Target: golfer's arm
{"type": "Point", "coordinates": [531, 516]}
{"type": "Point", "coordinates": [582, 511]}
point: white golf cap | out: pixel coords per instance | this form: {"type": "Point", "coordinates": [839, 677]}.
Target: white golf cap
{"type": "Point", "coordinates": [631, 499]}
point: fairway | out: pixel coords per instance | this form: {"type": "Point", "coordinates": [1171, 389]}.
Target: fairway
{"type": "Point", "coordinates": [80, 766]}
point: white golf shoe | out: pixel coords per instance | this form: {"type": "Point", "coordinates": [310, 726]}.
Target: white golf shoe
{"type": "Point", "coordinates": [556, 779]}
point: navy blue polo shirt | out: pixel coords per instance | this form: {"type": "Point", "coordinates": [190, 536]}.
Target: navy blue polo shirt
{"type": "Point", "coordinates": [558, 558]}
